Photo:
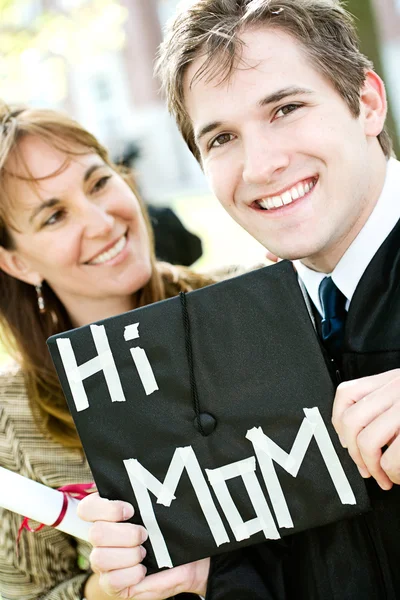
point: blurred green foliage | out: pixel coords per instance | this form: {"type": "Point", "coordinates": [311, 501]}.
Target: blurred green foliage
{"type": "Point", "coordinates": [370, 45]}
{"type": "Point", "coordinates": [96, 24]}
{"type": "Point", "coordinates": [41, 44]}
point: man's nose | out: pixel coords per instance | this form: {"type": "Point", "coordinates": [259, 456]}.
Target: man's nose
{"type": "Point", "coordinates": [99, 222]}
{"type": "Point", "coordinates": [263, 160]}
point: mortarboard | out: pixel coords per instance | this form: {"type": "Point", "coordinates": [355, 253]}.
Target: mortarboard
{"type": "Point", "coordinates": [210, 412]}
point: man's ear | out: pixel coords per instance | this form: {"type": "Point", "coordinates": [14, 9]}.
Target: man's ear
{"type": "Point", "coordinates": [14, 265]}
{"type": "Point", "coordinates": [373, 104]}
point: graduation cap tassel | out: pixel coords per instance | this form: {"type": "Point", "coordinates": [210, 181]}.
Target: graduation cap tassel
{"type": "Point", "coordinates": [189, 353]}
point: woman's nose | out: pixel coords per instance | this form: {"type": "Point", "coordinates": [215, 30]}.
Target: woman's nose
{"type": "Point", "coordinates": [99, 222]}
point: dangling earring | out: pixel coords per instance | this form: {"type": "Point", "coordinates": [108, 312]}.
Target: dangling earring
{"type": "Point", "coordinates": [40, 299]}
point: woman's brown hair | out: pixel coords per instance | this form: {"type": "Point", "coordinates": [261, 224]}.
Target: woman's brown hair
{"type": "Point", "coordinates": [23, 329]}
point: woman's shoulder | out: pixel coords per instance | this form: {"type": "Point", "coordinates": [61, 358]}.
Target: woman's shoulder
{"type": "Point", "coordinates": [14, 402]}
{"type": "Point", "coordinates": [12, 380]}
{"type": "Point", "coordinates": [219, 274]}
{"type": "Point", "coordinates": [24, 447]}
{"type": "Point", "coordinates": [230, 271]}
{"type": "Point", "coordinates": [178, 279]}
{"type": "Point", "coordinates": [15, 415]}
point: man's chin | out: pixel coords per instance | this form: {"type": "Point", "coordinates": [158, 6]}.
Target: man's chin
{"type": "Point", "coordinates": [289, 254]}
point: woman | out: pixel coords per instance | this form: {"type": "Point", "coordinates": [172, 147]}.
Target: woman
{"type": "Point", "coordinates": [75, 247]}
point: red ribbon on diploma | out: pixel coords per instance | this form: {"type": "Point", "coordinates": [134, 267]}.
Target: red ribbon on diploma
{"type": "Point", "coordinates": [74, 490]}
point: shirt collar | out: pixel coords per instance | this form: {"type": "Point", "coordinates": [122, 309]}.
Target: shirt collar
{"type": "Point", "coordinates": [357, 257]}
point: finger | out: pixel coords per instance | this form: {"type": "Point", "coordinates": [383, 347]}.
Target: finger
{"type": "Point", "coordinates": [358, 458]}
{"type": "Point", "coordinates": [364, 472]}
{"type": "Point", "coordinates": [93, 508]}
{"type": "Point", "coordinates": [116, 535]}
{"type": "Point", "coordinates": [390, 461]}
{"type": "Point", "coordinates": [351, 392]}
{"type": "Point", "coordinates": [122, 582]}
{"type": "Point", "coordinates": [191, 577]}
{"type": "Point", "coordinates": [373, 438]}
{"type": "Point", "coordinates": [272, 257]}
{"type": "Point", "coordinates": [358, 416]}
{"type": "Point", "coordinates": [109, 559]}
{"type": "Point", "coordinates": [166, 584]}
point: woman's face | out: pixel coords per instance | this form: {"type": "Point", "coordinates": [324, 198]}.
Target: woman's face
{"type": "Point", "coordinates": [80, 229]}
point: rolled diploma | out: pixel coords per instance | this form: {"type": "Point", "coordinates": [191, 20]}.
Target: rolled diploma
{"type": "Point", "coordinates": [40, 503]}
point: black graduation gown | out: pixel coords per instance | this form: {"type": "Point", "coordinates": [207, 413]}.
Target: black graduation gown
{"type": "Point", "coordinates": [354, 559]}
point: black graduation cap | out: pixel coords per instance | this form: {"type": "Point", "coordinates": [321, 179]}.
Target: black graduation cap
{"type": "Point", "coordinates": [210, 412]}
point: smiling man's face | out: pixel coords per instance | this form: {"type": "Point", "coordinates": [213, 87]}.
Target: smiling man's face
{"type": "Point", "coordinates": [283, 153]}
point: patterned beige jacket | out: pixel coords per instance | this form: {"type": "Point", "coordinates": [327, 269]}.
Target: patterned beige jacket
{"type": "Point", "coordinates": [47, 565]}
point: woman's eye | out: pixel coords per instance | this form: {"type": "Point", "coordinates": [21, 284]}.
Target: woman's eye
{"type": "Point", "coordinates": [100, 184]}
{"type": "Point", "coordinates": [221, 139]}
{"type": "Point", "coordinates": [55, 218]}
{"type": "Point", "coordinates": [285, 110]}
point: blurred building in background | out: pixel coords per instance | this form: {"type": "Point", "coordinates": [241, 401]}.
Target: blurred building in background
{"type": "Point", "coordinates": [95, 58]}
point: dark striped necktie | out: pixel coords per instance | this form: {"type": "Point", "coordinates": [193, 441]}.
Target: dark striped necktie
{"type": "Point", "coordinates": [333, 304]}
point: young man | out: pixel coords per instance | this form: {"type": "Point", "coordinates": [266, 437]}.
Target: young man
{"type": "Point", "coordinates": [286, 117]}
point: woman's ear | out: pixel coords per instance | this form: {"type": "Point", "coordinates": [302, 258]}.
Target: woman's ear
{"type": "Point", "coordinates": [373, 104]}
{"type": "Point", "coordinates": [12, 264]}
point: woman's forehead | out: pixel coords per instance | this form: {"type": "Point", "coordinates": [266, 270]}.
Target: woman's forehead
{"type": "Point", "coordinates": [37, 159]}
{"type": "Point", "coordinates": [38, 171]}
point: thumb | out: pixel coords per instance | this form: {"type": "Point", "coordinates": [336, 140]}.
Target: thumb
{"type": "Point", "coordinates": [190, 578]}
{"type": "Point", "coordinates": [272, 257]}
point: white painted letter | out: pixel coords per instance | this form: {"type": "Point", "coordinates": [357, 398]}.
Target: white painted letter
{"type": "Point", "coordinates": [104, 361]}
{"type": "Point", "coordinates": [268, 451]}
{"type": "Point", "coordinates": [141, 361]}
{"type": "Point", "coordinates": [264, 520]}
{"type": "Point", "coordinates": [142, 481]}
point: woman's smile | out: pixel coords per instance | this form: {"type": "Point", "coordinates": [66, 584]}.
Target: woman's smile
{"type": "Point", "coordinates": [112, 254]}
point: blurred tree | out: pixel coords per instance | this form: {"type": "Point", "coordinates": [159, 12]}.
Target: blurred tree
{"type": "Point", "coordinates": [38, 42]}
{"type": "Point", "coordinates": [370, 45]}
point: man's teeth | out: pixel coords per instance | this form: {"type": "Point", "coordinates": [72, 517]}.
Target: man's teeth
{"type": "Point", "coordinates": [112, 253]}
{"type": "Point", "coordinates": [298, 191]}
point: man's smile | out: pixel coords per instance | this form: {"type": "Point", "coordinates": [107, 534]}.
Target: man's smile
{"type": "Point", "coordinates": [287, 195]}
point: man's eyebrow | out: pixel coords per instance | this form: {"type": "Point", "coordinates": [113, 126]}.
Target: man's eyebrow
{"type": "Point", "coordinates": [270, 99]}
{"type": "Point", "coordinates": [206, 129]}
{"type": "Point", "coordinates": [54, 201]}
{"type": "Point", "coordinates": [282, 94]}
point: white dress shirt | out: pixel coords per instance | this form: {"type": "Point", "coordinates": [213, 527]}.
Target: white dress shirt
{"type": "Point", "coordinates": [349, 270]}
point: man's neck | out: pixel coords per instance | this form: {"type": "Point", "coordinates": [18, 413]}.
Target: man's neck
{"type": "Point", "coordinates": [349, 269]}
{"type": "Point", "coordinates": [326, 260]}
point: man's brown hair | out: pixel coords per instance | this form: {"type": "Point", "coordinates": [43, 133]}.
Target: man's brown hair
{"type": "Point", "coordinates": [212, 28]}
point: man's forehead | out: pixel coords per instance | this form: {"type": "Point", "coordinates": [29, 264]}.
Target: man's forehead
{"type": "Point", "coordinates": [259, 49]}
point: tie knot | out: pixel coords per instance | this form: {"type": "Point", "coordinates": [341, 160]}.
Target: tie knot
{"type": "Point", "coordinates": [332, 300]}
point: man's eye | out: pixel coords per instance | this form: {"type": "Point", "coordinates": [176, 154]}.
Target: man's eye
{"type": "Point", "coordinates": [285, 110]}
{"type": "Point", "coordinates": [221, 139]}
{"type": "Point", "coordinates": [55, 218]}
{"type": "Point", "coordinates": [101, 183]}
